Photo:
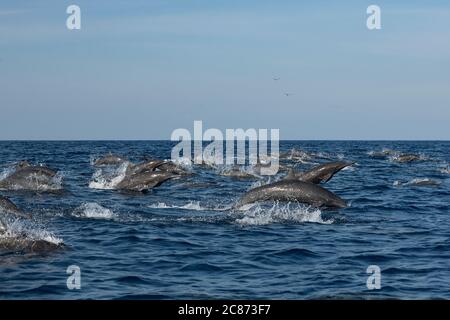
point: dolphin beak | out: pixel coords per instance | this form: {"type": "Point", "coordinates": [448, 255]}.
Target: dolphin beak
{"type": "Point", "coordinates": [341, 204]}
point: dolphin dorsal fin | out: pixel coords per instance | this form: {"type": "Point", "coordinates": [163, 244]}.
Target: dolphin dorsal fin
{"type": "Point", "coordinates": [292, 174]}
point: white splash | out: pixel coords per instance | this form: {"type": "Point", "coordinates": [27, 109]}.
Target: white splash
{"type": "Point", "coordinates": [350, 168]}
{"type": "Point", "coordinates": [21, 229]}
{"type": "Point", "coordinates": [183, 162]}
{"type": "Point", "coordinates": [397, 183]}
{"type": "Point", "coordinates": [191, 205]}
{"type": "Point", "coordinates": [445, 170]}
{"type": "Point", "coordinates": [107, 180]}
{"type": "Point", "coordinates": [93, 210]}
{"type": "Point", "coordinates": [6, 172]}
{"type": "Point", "coordinates": [281, 213]}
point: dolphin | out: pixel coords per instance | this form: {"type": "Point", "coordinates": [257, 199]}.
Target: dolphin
{"type": "Point", "coordinates": [237, 173]}
{"type": "Point", "coordinates": [29, 177]}
{"type": "Point", "coordinates": [407, 158]}
{"type": "Point", "coordinates": [293, 190]}
{"type": "Point", "coordinates": [28, 245]}
{"type": "Point", "coordinates": [142, 182]}
{"type": "Point", "coordinates": [419, 182]}
{"type": "Point", "coordinates": [22, 164]}
{"type": "Point", "coordinates": [7, 206]}
{"type": "Point", "coordinates": [144, 167]}
{"type": "Point", "coordinates": [169, 166]}
{"type": "Point", "coordinates": [320, 173]}
{"type": "Point", "coordinates": [110, 160]}
{"type": "Point", "coordinates": [20, 242]}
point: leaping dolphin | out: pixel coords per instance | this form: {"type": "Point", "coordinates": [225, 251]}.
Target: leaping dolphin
{"type": "Point", "coordinates": [28, 177]}
{"type": "Point", "coordinates": [21, 242]}
{"type": "Point", "coordinates": [28, 246]}
{"type": "Point", "coordinates": [405, 158]}
{"type": "Point", "coordinates": [142, 182]}
{"type": "Point", "coordinates": [293, 190]}
{"type": "Point", "coordinates": [110, 160]}
{"type": "Point", "coordinates": [7, 206]}
{"type": "Point", "coordinates": [144, 167]}
{"type": "Point", "coordinates": [320, 173]}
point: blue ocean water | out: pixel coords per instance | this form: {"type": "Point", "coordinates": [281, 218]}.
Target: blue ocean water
{"type": "Point", "coordinates": [182, 240]}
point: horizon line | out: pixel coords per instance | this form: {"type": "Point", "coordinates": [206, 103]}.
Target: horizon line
{"type": "Point", "coordinates": [137, 140]}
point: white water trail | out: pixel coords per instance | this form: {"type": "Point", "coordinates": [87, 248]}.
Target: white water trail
{"type": "Point", "coordinates": [257, 214]}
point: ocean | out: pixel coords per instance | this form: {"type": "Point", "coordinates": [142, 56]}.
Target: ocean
{"type": "Point", "coordinates": [184, 240]}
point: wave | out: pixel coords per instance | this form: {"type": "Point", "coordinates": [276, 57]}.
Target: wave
{"type": "Point", "coordinates": [257, 214]}
{"type": "Point", "coordinates": [93, 210]}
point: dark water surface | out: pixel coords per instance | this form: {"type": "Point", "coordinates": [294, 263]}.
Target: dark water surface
{"type": "Point", "coordinates": [181, 241]}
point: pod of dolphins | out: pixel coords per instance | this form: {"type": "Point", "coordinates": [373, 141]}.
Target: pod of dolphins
{"type": "Point", "coordinates": [303, 187]}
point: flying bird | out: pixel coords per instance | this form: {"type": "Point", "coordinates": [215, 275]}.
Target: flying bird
{"type": "Point", "coordinates": [276, 79]}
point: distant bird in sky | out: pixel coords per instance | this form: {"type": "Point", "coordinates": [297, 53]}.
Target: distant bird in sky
{"type": "Point", "coordinates": [276, 79]}
{"type": "Point", "coordinates": [287, 94]}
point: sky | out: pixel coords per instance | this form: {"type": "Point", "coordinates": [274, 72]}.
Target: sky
{"type": "Point", "coordinates": [141, 69]}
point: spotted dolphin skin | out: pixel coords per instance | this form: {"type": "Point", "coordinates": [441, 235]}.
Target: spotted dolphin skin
{"type": "Point", "coordinates": [320, 173]}
{"type": "Point", "coordinates": [293, 190]}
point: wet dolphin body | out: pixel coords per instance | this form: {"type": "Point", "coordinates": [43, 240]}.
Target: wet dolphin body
{"type": "Point", "coordinates": [320, 173]}
{"type": "Point", "coordinates": [169, 166]}
{"type": "Point", "coordinates": [7, 206]}
{"type": "Point", "coordinates": [293, 190]}
{"type": "Point", "coordinates": [110, 160]}
{"type": "Point", "coordinates": [147, 166]}
{"type": "Point", "coordinates": [142, 182]}
{"type": "Point", "coordinates": [236, 172]}
{"type": "Point", "coordinates": [151, 164]}
{"type": "Point", "coordinates": [27, 245]}
{"type": "Point", "coordinates": [19, 243]}
{"type": "Point", "coordinates": [404, 158]}
{"type": "Point", "coordinates": [29, 178]}
{"type": "Point", "coordinates": [424, 182]}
